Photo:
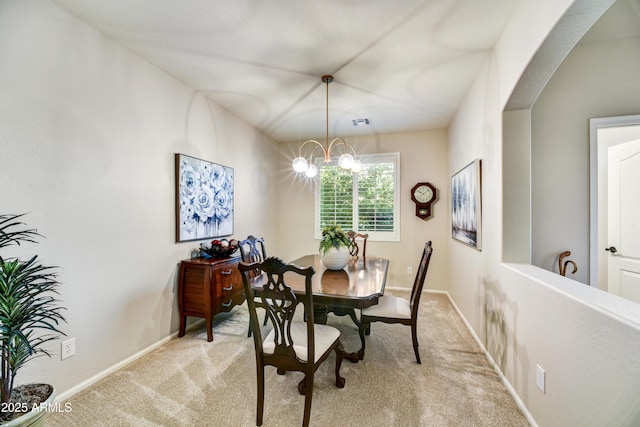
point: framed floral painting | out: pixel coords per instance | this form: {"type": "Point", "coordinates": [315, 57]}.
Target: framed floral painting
{"type": "Point", "coordinates": [204, 199]}
{"type": "Point", "coordinates": [466, 208]}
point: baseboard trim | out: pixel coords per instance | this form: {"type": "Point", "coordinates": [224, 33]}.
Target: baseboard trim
{"type": "Point", "coordinates": [493, 364]}
{"type": "Point", "coordinates": [94, 379]}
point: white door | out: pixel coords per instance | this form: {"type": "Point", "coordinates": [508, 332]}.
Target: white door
{"type": "Point", "coordinates": [623, 244]}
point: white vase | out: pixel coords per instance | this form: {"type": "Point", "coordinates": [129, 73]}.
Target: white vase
{"type": "Point", "coordinates": [336, 259]}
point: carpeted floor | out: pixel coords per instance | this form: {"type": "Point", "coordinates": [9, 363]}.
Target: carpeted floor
{"type": "Point", "coordinates": [191, 382]}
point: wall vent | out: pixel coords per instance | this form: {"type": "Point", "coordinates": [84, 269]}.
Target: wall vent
{"type": "Point", "coordinates": [361, 122]}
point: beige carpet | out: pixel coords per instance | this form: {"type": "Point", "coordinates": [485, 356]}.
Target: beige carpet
{"type": "Point", "coordinates": [191, 382]}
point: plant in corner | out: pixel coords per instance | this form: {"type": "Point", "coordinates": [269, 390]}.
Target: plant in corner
{"type": "Point", "coordinates": [29, 318]}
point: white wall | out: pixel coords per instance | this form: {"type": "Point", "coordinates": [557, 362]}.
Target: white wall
{"type": "Point", "coordinates": [88, 133]}
{"type": "Point", "coordinates": [595, 80]}
{"type": "Point", "coordinates": [423, 157]}
{"type": "Point", "coordinates": [525, 315]}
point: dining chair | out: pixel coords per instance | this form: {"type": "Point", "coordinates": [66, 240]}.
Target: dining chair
{"type": "Point", "coordinates": [252, 249]}
{"type": "Point", "coordinates": [392, 309]}
{"type": "Point", "coordinates": [291, 345]}
{"type": "Point", "coordinates": [355, 249]}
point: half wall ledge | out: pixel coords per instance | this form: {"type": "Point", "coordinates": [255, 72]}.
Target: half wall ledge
{"type": "Point", "coordinates": [620, 309]}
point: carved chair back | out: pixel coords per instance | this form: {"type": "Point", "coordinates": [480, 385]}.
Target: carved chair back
{"type": "Point", "coordinates": [252, 249]}
{"type": "Point", "coordinates": [354, 250]}
{"type": "Point", "coordinates": [421, 274]}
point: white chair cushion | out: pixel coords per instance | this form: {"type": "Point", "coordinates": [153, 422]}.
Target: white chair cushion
{"type": "Point", "coordinates": [325, 336]}
{"type": "Point", "coordinates": [389, 306]}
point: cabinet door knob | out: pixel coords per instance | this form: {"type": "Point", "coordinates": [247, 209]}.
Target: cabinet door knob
{"type": "Point", "coordinates": [226, 273]}
{"type": "Point", "coordinates": [225, 288]}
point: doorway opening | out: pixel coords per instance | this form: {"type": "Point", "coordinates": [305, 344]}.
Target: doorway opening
{"type": "Point", "coordinates": [615, 205]}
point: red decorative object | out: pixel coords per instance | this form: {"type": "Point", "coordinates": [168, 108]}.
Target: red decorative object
{"type": "Point", "coordinates": [221, 248]}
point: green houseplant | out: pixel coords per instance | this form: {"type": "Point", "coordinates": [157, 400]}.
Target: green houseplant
{"type": "Point", "coordinates": [333, 236]}
{"type": "Point", "coordinates": [334, 247]}
{"type": "Point", "coordinates": [29, 317]}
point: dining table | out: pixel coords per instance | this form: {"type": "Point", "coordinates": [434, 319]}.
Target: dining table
{"type": "Point", "coordinates": [358, 285]}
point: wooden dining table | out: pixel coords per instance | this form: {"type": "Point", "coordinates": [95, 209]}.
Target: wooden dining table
{"type": "Point", "coordinates": [359, 285]}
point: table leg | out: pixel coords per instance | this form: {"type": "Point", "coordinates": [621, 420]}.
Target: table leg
{"type": "Point", "coordinates": [354, 357]}
{"type": "Point", "coordinates": [320, 313]}
{"type": "Point", "coordinates": [361, 331]}
{"type": "Point", "coordinates": [345, 311]}
{"type": "Point", "coordinates": [302, 386]}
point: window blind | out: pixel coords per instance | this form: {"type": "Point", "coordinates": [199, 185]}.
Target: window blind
{"type": "Point", "coordinates": [365, 202]}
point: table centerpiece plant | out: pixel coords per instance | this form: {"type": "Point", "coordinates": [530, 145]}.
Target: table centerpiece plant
{"type": "Point", "coordinates": [334, 247]}
{"type": "Point", "coordinates": [29, 318]}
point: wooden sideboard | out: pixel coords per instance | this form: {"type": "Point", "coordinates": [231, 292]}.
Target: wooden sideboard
{"type": "Point", "coordinates": [207, 287]}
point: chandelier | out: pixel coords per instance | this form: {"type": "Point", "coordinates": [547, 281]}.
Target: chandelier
{"type": "Point", "coordinates": [347, 159]}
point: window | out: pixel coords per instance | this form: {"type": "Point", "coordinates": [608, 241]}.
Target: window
{"type": "Point", "coordinates": [366, 202]}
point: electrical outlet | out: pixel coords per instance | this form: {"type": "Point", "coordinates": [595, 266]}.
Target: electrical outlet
{"type": "Point", "coordinates": [409, 270]}
{"type": "Point", "coordinates": [540, 378]}
{"type": "Point", "coordinates": [68, 348]}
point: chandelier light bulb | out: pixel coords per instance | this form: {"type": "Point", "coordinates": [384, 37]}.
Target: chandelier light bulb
{"type": "Point", "coordinates": [357, 166]}
{"type": "Point", "coordinates": [346, 161]}
{"type": "Point", "coordinates": [311, 171]}
{"type": "Point", "coordinates": [300, 164]}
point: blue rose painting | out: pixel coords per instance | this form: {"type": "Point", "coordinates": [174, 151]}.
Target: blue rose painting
{"type": "Point", "coordinates": [205, 199]}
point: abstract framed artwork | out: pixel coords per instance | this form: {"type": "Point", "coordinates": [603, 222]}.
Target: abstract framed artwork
{"type": "Point", "coordinates": [466, 205]}
{"type": "Point", "coordinates": [204, 199]}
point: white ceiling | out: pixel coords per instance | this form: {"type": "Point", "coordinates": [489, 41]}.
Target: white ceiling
{"type": "Point", "coordinates": [404, 64]}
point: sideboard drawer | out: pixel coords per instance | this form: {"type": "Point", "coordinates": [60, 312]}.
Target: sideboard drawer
{"type": "Point", "coordinates": [229, 301]}
{"type": "Point", "coordinates": [228, 279]}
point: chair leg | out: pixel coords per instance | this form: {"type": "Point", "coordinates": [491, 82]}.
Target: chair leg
{"type": "Point", "coordinates": [308, 395]}
{"type": "Point", "coordinates": [414, 338]}
{"type": "Point", "coordinates": [339, 356]}
{"type": "Point", "coordinates": [260, 386]}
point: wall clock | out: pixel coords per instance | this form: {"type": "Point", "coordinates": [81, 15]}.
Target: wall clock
{"type": "Point", "coordinates": [423, 195]}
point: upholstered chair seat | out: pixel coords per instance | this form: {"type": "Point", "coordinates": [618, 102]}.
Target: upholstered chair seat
{"type": "Point", "coordinates": [324, 337]}
{"type": "Point", "coordinates": [389, 306]}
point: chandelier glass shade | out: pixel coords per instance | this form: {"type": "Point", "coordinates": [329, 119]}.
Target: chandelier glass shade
{"type": "Point", "coordinates": [347, 159]}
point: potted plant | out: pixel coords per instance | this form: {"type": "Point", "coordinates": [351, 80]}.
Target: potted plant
{"type": "Point", "coordinates": [29, 318]}
{"type": "Point", "coordinates": [334, 247]}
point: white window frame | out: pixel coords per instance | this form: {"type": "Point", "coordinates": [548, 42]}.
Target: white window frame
{"type": "Point", "coordinates": [367, 158]}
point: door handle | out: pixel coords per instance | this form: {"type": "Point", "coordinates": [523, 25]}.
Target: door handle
{"type": "Point", "coordinates": [611, 249]}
